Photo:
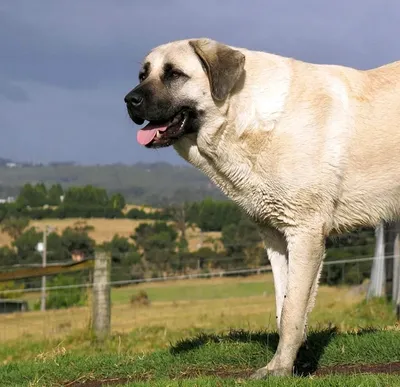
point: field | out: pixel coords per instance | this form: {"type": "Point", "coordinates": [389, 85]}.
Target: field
{"type": "Point", "coordinates": [105, 229]}
{"type": "Point", "coordinates": [198, 332]}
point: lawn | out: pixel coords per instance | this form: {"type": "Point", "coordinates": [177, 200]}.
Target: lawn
{"type": "Point", "coordinates": [224, 359]}
{"type": "Point", "coordinates": [192, 329]}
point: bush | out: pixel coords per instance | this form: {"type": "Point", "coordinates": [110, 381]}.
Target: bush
{"type": "Point", "coordinates": [136, 213]}
{"type": "Point", "coordinates": [141, 298]}
{"type": "Point", "coordinates": [7, 289]}
{"type": "Point", "coordinates": [65, 298]}
{"type": "Point", "coordinates": [85, 211]}
{"type": "Point", "coordinates": [213, 215]}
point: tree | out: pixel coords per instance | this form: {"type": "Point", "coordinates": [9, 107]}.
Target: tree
{"type": "Point", "coordinates": [213, 215]}
{"type": "Point", "coordinates": [33, 196]}
{"type": "Point", "coordinates": [127, 263]}
{"type": "Point", "coordinates": [41, 192]}
{"type": "Point", "coordinates": [203, 259]}
{"type": "Point", "coordinates": [178, 213]}
{"type": "Point", "coordinates": [26, 246]}
{"type": "Point", "coordinates": [117, 201]}
{"type": "Point", "coordinates": [14, 227]}
{"type": "Point", "coordinates": [54, 195]}
{"type": "Point", "coordinates": [8, 256]}
{"type": "Point", "coordinates": [158, 242]}
{"type": "Point", "coordinates": [356, 244]}
{"type": "Point", "coordinates": [3, 211]}
{"type": "Point", "coordinates": [76, 240]}
{"type": "Point", "coordinates": [242, 243]}
{"type": "Point", "coordinates": [87, 195]}
{"type": "Point", "coordinates": [136, 213]}
{"type": "Point", "coordinates": [142, 232]}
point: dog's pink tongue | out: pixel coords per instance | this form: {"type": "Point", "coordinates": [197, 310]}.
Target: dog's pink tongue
{"type": "Point", "coordinates": [145, 136]}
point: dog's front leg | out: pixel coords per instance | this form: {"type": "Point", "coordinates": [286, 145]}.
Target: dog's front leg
{"type": "Point", "coordinates": [276, 246]}
{"type": "Point", "coordinates": [306, 250]}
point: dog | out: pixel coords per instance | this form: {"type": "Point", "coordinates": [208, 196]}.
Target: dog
{"type": "Point", "coordinates": [304, 149]}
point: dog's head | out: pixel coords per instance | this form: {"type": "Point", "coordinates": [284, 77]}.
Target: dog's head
{"type": "Point", "coordinates": [179, 84]}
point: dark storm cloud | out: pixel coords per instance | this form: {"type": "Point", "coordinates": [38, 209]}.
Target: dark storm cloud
{"type": "Point", "coordinates": [71, 63]}
{"type": "Point", "coordinates": [12, 91]}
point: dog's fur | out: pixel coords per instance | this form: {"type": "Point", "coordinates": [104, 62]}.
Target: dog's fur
{"type": "Point", "coordinates": [304, 149]}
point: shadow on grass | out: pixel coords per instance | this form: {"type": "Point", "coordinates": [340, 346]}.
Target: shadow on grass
{"type": "Point", "coordinates": [307, 359]}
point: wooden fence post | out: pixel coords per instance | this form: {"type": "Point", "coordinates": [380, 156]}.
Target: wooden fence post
{"type": "Point", "coordinates": [101, 296]}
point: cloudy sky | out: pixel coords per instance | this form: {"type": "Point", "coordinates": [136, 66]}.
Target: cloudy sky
{"type": "Point", "coordinates": [65, 66]}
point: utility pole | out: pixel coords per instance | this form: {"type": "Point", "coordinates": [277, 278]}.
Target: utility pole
{"type": "Point", "coordinates": [44, 263]}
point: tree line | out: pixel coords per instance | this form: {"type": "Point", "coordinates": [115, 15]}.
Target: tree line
{"type": "Point", "coordinates": [161, 247]}
{"type": "Point", "coordinates": [39, 202]}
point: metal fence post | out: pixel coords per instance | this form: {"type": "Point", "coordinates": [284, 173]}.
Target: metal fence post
{"type": "Point", "coordinates": [101, 296]}
{"type": "Point", "coordinates": [378, 280]}
{"type": "Point", "coordinates": [396, 270]}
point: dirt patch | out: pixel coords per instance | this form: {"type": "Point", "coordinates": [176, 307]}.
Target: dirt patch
{"type": "Point", "coordinates": [98, 383]}
{"type": "Point", "coordinates": [388, 368]}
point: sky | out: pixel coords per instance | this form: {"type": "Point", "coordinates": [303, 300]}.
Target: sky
{"type": "Point", "coordinates": [65, 66]}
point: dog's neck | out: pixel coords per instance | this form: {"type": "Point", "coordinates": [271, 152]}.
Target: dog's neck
{"type": "Point", "coordinates": [230, 147]}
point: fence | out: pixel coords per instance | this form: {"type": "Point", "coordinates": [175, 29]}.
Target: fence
{"type": "Point", "coordinates": [86, 289]}
{"type": "Point", "coordinates": [73, 294]}
{"type": "Point", "coordinates": [385, 274]}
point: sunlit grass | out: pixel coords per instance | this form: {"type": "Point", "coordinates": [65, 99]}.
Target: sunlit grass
{"type": "Point", "coordinates": [223, 359]}
{"type": "Point", "coordinates": [177, 310]}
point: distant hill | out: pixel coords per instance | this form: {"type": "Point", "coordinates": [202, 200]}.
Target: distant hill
{"type": "Point", "coordinates": [4, 162]}
{"type": "Point", "coordinates": [153, 184]}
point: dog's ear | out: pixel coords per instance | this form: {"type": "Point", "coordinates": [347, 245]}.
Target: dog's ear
{"type": "Point", "coordinates": [224, 65]}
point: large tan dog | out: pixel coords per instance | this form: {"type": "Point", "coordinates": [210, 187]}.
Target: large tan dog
{"type": "Point", "coordinates": [304, 149]}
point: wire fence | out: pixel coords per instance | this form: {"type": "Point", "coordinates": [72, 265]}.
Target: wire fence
{"type": "Point", "coordinates": [217, 273]}
{"type": "Point", "coordinates": [70, 298]}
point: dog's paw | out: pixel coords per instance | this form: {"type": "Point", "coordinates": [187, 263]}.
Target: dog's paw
{"type": "Point", "coordinates": [264, 372]}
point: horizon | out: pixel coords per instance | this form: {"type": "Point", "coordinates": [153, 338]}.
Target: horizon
{"type": "Point", "coordinates": [4, 161]}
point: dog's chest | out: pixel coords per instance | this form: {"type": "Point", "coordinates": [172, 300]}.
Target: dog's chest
{"type": "Point", "coordinates": [260, 196]}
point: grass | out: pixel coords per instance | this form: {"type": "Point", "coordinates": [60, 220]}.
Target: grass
{"type": "Point", "coordinates": [332, 381]}
{"type": "Point", "coordinates": [40, 349]}
{"type": "Point", "coordinates": [105, 229]}
{"type": "Point", "coordinates": [223, 359]}
{"type": "Point", "coordinates": [203, 289]}
{"type": "Point", "coordinates": [180, 309]}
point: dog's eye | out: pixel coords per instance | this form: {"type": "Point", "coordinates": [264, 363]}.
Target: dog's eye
{"type": "Point", "coordinates": [171, 73]}
{"type": "Point", "coordinates": [175, 73]}
{"type": "Point", "coordinates": [142, 77]}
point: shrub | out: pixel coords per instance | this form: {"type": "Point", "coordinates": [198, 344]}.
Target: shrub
{"type": "Point", "coordinates": [64, 298]}
{"type": "Point", "coordinates": [141, 298]}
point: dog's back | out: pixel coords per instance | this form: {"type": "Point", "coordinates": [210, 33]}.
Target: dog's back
{"type": "Point", "coordinates": [342, 123]}
{"type": "Point", "coordinates": [371, 179]}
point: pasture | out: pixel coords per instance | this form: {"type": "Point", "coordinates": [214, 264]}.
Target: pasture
{"type": "Point", "coordinates": [199, 332]}
{"type": "Point", "coordinates": [105, 229]}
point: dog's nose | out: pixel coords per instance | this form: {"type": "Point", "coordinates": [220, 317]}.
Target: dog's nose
{"type": "Point", "coordinates": [134, 99]}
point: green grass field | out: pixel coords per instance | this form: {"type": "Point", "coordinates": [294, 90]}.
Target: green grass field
{"type": "Point", "coordinates": [220, 359]}
{"type": "Point", "coordinates": [204, 289]}
{"type": "Point", "coordinates": [202, 332]}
